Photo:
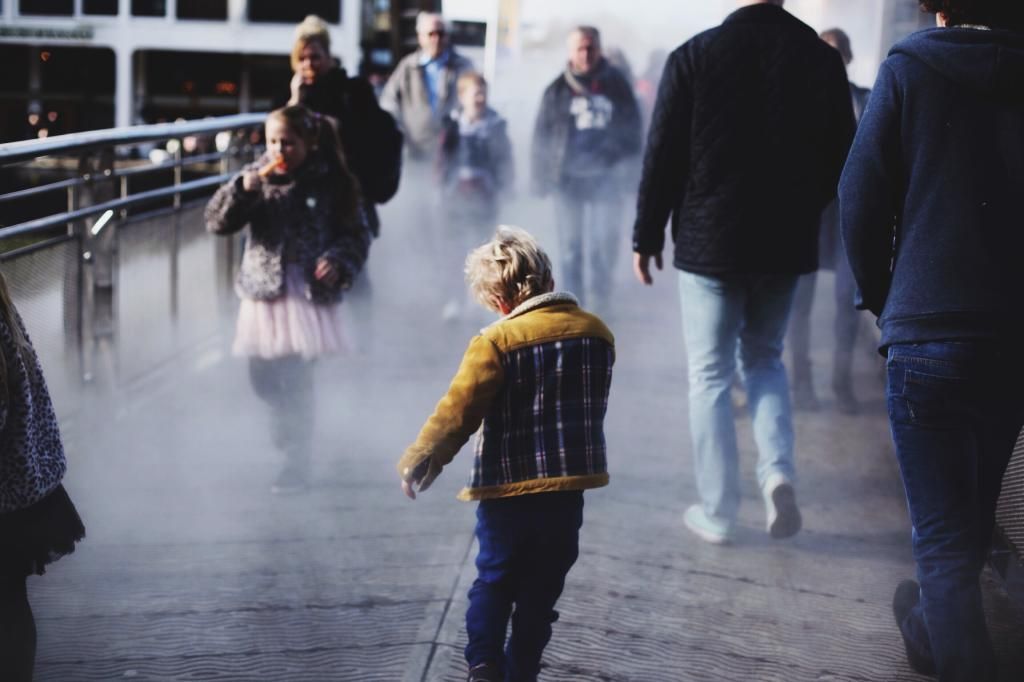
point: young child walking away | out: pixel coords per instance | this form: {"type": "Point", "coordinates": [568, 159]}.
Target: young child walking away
{"type": "Point", "coordinates": [476, 170]}
{"type": "Point", "coordinates": [38, 522]}
{"type": "Point", "coordinates": [307, 241]}
{"type": "Point", "coordinates": [538, 380]}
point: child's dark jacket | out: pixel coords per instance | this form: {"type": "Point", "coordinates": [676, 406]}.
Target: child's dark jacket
{"type": "Point", "coordinates": [292, 220]}
{"type": "Point", "coordinates": [538, 381]}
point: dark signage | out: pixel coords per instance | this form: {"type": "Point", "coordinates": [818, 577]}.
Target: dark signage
{"type": "Point", "coordinates": [47, 33]}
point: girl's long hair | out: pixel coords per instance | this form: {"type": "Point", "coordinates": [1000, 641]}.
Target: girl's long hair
{"type": "Point", "coordinates": [9, 317]}
{"type": "Point", "coordinates": [321, 139]}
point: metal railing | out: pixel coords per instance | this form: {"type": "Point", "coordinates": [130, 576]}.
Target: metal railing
{"type": "Point", "coordinates": [107, 257]}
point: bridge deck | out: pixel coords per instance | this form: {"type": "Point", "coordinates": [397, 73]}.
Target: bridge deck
{"type": "Point", "coordinates": [191, 570]}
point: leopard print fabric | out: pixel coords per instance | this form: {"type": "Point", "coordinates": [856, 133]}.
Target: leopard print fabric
{"type": "Point", "coordinates": [292, 220]}
{"type": "Point", "coordinates": [32, 460]}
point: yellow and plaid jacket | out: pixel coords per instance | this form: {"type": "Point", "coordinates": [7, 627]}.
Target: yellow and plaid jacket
{"type": "Point", "coordinates": [537, 381]}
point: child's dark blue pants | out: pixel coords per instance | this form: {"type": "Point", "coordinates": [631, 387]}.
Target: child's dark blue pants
{"type": "Point", "coordinates": [527, 546]}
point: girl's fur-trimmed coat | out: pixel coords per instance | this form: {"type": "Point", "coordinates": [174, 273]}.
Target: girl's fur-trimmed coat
{"type": "Point", "coordinates": [292, 220]}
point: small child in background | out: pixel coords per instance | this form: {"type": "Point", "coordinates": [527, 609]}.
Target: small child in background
{"type": "Point", "coordinates": [476, 169]}
{"type": "Point", "coordinates": [38, 522]}
{"type": "Point", "coordinates": [538, 381]}
{"type": "Point", "coordinates": [307, 241]}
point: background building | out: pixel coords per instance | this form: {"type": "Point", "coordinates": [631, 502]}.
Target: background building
{"type": "Point", "coordinates": [72, 65]}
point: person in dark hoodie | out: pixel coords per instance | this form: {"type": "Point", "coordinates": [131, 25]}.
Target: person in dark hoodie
{"type": "Point", "coordinates": [931, 222]}
{"type": "Point", "coordinates": [587, 125]}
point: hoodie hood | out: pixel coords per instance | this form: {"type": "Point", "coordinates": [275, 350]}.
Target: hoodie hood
{"type": "Point", "coordinates": [987, 61]}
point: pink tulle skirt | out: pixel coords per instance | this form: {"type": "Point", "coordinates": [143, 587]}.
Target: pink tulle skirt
{"type": "Point", "coordinates": [289, 325]}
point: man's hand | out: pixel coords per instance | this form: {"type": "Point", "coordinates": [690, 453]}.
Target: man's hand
{"type": "Point", "coordinates": [642, 267]}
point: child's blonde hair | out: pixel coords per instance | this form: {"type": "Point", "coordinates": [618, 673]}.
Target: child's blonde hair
{"type": "Point", "coordinates": [467, 79]}
{"type": "Point", "coordinates": [509, 269]}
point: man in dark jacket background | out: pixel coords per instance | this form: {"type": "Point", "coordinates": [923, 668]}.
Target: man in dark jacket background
{"type": "Point", "coordinates": [930, 203]}
{"type": "Point", "coordinates": [588, 124]}
{"type": "Point", "coordinates": [832, 257]}
{"type": "Point", "coordinates": [749, 134]}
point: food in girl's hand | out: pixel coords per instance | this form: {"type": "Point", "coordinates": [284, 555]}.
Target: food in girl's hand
{"type": "Point", "coordinates": [271, 167]}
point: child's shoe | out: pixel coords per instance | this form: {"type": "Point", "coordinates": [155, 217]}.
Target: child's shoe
{"type": "Point", "coordinates": [784, 518]}
{"type": "Point", "coordinates": [706, 529]}
{"type": "Point", "coordinates": [484, 672]}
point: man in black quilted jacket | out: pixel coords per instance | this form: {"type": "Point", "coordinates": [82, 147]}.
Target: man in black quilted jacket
{"type": "Point", "coordinates": [750, 131]}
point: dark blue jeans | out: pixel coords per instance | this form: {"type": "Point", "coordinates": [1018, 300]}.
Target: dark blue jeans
{"type": "Point", "coordinates": [955, 409]}
{"type": "Point", "coordinates": [527, 546]}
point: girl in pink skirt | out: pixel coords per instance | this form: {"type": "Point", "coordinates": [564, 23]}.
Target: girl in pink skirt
{"type": "Point", "coordinates": [307, 241]}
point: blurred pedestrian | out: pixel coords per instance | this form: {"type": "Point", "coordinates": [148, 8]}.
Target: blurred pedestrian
{"type": "Point", "coordinates": [931, 220]}
{"type": "Point", "coordinates": [307, 242]}
{"type": "Point", "coordinates": [587, 125]}
{"type": "Point", "coordinates": [830, 257]}
{"type": "Point", "coordinates": [38, 522]}
{"type": "Point", "coordinates": [532, 463]}
{"type": "Point", "coordinates": [750, 130]}
{"type": "Point", "coordinates": [476, 171]}
{"type": "Point", "coordinates": [370, 139]}
{"type": "Point", "coordinates": [421, 92]}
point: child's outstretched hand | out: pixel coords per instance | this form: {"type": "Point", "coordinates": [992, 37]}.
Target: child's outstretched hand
{"type": "Point", "coordinates": [412, 479]}
{"type": "Point", "coordinates": [326, 272]}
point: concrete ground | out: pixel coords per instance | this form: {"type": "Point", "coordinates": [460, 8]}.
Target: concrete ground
{"type": "Point", "coordinates": [192, 571]}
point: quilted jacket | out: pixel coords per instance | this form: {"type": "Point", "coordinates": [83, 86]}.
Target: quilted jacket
{"type": "Point", "coordinates": [749, 134]}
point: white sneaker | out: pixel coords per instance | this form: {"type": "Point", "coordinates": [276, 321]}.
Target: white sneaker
{"type": "Point", "coordinates": [706, 529]}
{"type": "Point", "coordinates": [784, 518]}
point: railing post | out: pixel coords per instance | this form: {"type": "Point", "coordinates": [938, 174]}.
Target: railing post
{"type": "Point", "coordinates": [177, 172]}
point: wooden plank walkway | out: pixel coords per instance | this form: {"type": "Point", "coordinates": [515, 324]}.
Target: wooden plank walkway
{"type": "Point", "coordinates": [193, 571]}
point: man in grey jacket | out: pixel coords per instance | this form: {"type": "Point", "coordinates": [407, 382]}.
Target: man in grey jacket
{"type": "Point", "coordinates": [421, 92]}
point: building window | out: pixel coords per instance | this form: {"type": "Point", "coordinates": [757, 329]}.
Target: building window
{"type": "Point", "coordinates": [214, 10]}
{"type": "Point", "coordinates": [294, 11]}
{"type": "Point", "coordinates": [149, 8]}
{"type": "Point", "coordinates": [104, 7]}
{"type": "Point", "coordinates": [48, 8]}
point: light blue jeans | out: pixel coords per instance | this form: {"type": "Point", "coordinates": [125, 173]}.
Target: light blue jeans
{"type": "Point", "coordinates": [740, 318]}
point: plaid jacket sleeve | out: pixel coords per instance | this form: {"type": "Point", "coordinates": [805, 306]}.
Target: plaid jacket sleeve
{"type": "Point", "coordinates": [458, 414]}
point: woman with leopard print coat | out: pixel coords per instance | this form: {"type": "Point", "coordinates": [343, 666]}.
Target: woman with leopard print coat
{"type": "Point", "coordinates": [307, 241]}
{"type": "Point", "coordinates": [38, 522]}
